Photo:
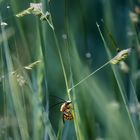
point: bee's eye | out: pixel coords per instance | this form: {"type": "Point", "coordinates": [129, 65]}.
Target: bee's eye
{"type": "Point", "coordinates": [68, 101]}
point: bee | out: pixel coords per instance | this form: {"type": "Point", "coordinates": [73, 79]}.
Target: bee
{"type": "Point", "coordinates": [66, 109]}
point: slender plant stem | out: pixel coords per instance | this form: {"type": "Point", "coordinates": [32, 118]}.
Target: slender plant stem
{"type": "Point", "coordinates": [62, 64]}
{"type": "Point", "coordinates": [60, 56]}
{"type": "Point", "coordinates": [122, 95]}
{"type": "Point", "coordinates": [84, 79]}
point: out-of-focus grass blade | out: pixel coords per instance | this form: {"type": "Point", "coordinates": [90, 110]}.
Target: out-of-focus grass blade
{"type": "Point", "coordinates": [14, 91]}
{"type": "Point", "coordinates": [120, 85]}
{"type": "Point", "coordinates": [48, 128]}
{"type": "Point", "coordinates": [9, 32]}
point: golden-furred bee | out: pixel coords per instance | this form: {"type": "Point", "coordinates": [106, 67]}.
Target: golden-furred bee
{"type": "Point", "coordinates": [66, 109]}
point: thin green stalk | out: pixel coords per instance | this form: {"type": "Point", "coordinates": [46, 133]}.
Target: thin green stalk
{"type": "Point", "coordinates": [75, 112]}
{"type": "Point", "coordinates": [119, 85]}
{"type": "Point", "coordinates": [126, 107]}
{"type": "Point", "coordinates": [84, 79]}
{"type": "Point", "coordinates": [60, 56]}
{"type": "Point", "coordinates": [62, 64]}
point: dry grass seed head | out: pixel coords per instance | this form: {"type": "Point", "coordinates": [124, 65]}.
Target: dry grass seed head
{"type": "Point", "coordinates": [121, 56]}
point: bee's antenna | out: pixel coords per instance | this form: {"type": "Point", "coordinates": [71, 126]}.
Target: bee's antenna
{"type": "Point", "coordinates": [55, 105]}
{"type": "Point", "coordinates": [63, 119]}
{"type": "Point", "coordinates": [58, 97]}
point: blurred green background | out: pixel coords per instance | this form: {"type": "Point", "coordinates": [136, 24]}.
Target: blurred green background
{"type": "Point", "coordinates": [106, 105]}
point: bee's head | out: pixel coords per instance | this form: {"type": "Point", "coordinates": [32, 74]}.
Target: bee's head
{"type": "Point", "coordinates": [68, 102]}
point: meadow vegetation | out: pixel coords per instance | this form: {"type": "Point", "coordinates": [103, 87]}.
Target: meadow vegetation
{"type": "Point", "coordinates": [83, 52]}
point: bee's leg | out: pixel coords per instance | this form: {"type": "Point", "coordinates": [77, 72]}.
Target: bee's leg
{"type": "Point", "coordinates": [63, 119]}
